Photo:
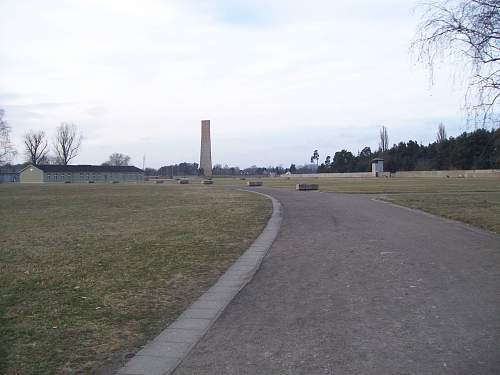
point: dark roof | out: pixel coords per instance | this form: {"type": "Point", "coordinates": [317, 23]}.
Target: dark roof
{"type": "Point", "coordinates": [10, 170]}
{"type": "Point", "coordinates": [49, 168]}
{"type": "Point", "coordinates": [377, 159]}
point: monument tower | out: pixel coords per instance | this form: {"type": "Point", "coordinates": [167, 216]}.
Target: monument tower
{"type": "Point", "coordinates": [206, 149]}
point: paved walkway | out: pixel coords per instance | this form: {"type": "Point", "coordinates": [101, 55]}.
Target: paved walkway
{"type": "Point", "coordinates": [353, 286]}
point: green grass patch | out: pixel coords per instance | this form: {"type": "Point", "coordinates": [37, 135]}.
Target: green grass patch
{"type": "Point", "coordinates": [91, 272]}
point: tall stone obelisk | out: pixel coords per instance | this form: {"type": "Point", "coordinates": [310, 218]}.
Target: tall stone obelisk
{"type": "Point", "coordinates": [206, 149]}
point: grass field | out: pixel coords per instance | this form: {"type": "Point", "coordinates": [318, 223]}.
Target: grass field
{"type": "Point", "coordinates": [474, 201]}
{"type": "Point", "coordinates": [89, 272]}
{"type": "Point", "coordinates": [479, 209]}
{"type": "Point", "coordinates": [382, 185]}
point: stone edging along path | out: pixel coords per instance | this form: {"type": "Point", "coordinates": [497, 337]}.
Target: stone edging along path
{"type": "Point", "coordinates": [162, 355]}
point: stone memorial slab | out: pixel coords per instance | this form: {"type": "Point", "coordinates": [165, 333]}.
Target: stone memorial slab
{"type": "Point", "coordinates": [304, 187]}
{"type": "Point", "coordinates": [254, 183]}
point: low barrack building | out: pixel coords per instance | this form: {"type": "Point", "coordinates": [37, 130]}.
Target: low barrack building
{"type": "Point", "coordinates": [80, 174]}
{"type": "Point", "coordinates": [9, 174]}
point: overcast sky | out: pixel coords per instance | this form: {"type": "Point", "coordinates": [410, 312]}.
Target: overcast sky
{"type": "Point", "coordinates": [277, 79]}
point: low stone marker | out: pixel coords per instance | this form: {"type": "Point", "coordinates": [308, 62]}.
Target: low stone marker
{"type": "Point", "coordinates": [183, 182]}
{"type": "Point", "coordinates": [207, 182]}
{"type": "Point", "coordinates": [307, 187]}
{"type": "Point", "coordinates": [254, 183]}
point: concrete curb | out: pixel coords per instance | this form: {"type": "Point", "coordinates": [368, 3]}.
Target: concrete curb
{"type": "Point", "coordinates": [162, 355]}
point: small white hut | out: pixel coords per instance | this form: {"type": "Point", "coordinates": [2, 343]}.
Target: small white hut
{"type": "Point", "coordinates": [377, 166]}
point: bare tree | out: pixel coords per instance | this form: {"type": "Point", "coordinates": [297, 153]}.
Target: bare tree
{"type": "Point", "coordinates": [441, 133]}
{"type": "Point", "coordinates": [467, 33]}
{"type": "Point", "coordinates": [36, 147]}
{"type": "Point", "coordinates": [7, 150]}
{"type": "Point", "coordinates": [117, 159]}
{"type": "Point", "coordinates": [67, 143]}
{"type": "Point", "coordinates": [384, 139]}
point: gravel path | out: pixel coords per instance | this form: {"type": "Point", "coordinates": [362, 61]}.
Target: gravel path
{"type": "Point", "coordinates": [354, 286]}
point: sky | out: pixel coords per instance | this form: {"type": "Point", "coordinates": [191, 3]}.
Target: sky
{"type": "Point", "coordinates": [277, 79]}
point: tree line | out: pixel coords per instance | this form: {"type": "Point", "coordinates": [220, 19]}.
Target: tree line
{"type": "Point", "coordinates": [192, 169]}
{"type": "Point", "coordinates": [479, 149]}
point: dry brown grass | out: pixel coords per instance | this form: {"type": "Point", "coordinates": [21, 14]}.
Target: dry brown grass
{"type": "Point", "coordinates": [479, 209]}
{"type": "Point", "coordinates": [88, 271]}
{"type": "Point", "coordinates": [371, 185]}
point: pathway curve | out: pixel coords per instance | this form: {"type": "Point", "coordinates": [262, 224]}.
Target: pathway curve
{"type": "Point", "coordinates": [354, 286]}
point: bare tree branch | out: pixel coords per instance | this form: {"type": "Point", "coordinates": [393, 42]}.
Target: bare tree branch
{"type": "Point", "coordinates": [467, 32]}
{"type": "Point", "coordinates": [384, 139]}
{"type": "Point", "coordinates": [441, 133]}
{"type": "Point", "coordinates": [7, 150]}
{"type": "Point", "coordinates": [67, 143]}
{"type": "Point", "coordinates": [36, 146]}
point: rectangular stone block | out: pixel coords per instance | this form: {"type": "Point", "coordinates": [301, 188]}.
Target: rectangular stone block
{"type": "Point", "coordinates": [160, 348]}
{"type": "Point", "coordinates": [230, 283]}
{"type": "Point", "coordinates": [190, 323]}
{"type": "Point", "coordinates": [200, 313]}
{"type": "Point", "coordinates": [254, 183]}
{"type": "Point", "coordinates": [307, 187]}
{"type": "Point", "coordinates": [212, 305]}
{"type": "Point", "coordinates": [179, 335]}
{"type": "Point", "coordinates": [246, 263]}
{"type": "Point", "coordinates": [149, 365]}
{"type": "Point", "coordinates": [217, 297]}
{"type": "Point", "coordinates": [224, 289]}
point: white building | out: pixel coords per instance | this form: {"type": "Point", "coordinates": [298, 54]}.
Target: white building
{"type": "Point", "coordinates": [377, 166]}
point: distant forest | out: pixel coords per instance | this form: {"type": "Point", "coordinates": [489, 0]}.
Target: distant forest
{"type": "Point", "coordinates": [479, 149]}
